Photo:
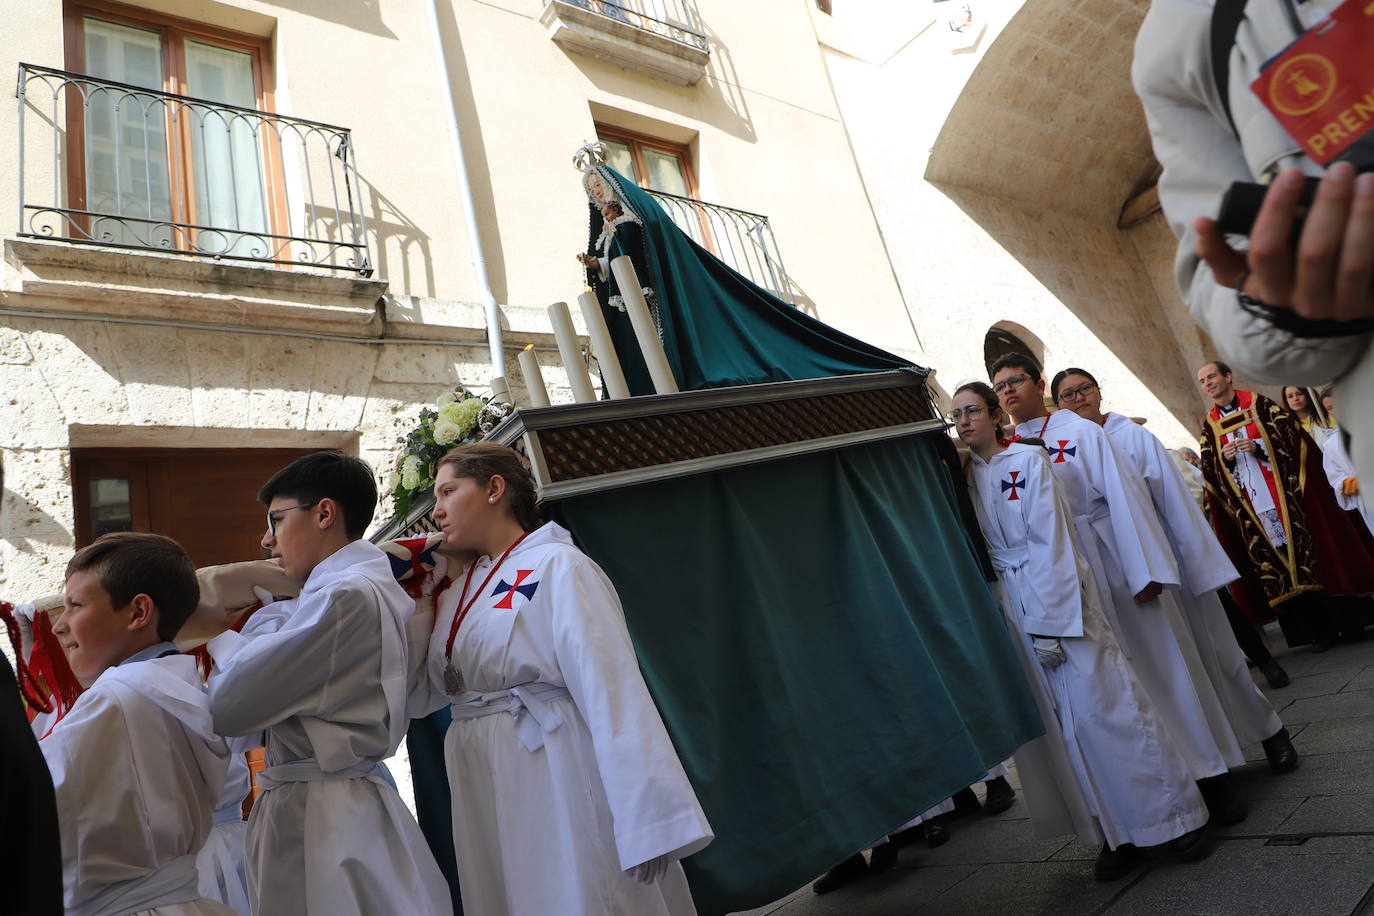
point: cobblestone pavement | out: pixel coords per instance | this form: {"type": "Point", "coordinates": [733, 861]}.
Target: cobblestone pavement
{"type": "Point", "coordinates": [1307, 846]}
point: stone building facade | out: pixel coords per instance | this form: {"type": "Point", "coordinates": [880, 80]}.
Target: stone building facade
{"type": "Point", "coordinates": [149, 343]}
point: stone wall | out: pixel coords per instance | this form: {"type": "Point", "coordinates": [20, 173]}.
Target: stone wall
{"type": "Point", "coordinates": [76, 383]}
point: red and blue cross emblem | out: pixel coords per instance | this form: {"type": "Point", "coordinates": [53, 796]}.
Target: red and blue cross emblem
{"type": "Point", "coordinates": [520, 585]}
{"type": "Point", "coordinates": [1013, 485]}
{"type": "Point", "coordinates": [1063, 450]}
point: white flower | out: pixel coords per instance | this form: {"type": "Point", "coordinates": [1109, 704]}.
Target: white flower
{"type": "Point", "coordinates": [411, 479]}
{"type": "Point", "coordinates": [393, 480]}
{"type": "Point", "coordinates": [446, 432]}
{"type": "Point", "coordinates": [461, 413]}
{"type": "Point", "coordinates": [411, 465]}
{"type": "Point", "coordinates": [444, 400]}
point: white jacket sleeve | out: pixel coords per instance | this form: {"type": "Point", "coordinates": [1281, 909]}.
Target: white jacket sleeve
{"type": "Point", "coordinates": [653, 806]}
{"type": "Point", "coordinates": [1201, 157]}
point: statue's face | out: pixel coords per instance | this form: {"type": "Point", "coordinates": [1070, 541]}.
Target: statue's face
{"type": "Point", "coordinates": [596, 186]}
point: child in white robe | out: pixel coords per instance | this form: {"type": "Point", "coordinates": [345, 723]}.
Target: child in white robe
{"type": "Point", "coordinates": [135, 762]}
{"type": "Point", "coordinates": [568, 796]}
{"type": "Point", "coordinates": [324, 676]}
{"type": "Point", "coordinates": [220, 861]}
{"type": "Point", "coordinates": [1203, 565]}
{"type": "Point", "coordinates": [1117, 531]}
{"type": "Point", "coordinates": [1106, 768]}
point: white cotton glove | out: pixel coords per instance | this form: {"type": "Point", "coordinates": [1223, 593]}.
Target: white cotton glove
{"type": "Point", "coordinates": [651, 871]}
{"type": "Point", "coordinates": [1049, 650]}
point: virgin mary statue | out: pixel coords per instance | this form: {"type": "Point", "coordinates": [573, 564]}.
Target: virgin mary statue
{"type": "Point", "coordinates": [718, 327]}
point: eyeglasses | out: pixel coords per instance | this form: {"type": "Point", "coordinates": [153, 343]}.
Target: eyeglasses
{"type": "Point", "coordinates": [1082, 391]}
{"type": "Point", "coordinates": [972, 413]}
{"type": "Point", "coordinates": [1014, 382]}
{"type": "Point", "coordinates": [274, 517]}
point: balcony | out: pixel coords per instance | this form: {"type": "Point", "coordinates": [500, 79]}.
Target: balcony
{"type": "Point", "coordinates": [121, 166]}
{"type": "Point", "coordinates": [662, 38]}
{"type": "Point", "coordinates": [741, 239]}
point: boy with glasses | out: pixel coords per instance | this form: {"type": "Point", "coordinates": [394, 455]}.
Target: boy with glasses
{"type": "Point", "coordinates": [324, 676]}
{"type": "Point", "coordinates": [1119, 534]}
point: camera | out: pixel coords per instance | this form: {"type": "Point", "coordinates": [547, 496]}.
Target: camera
{"type": "Point", "coordinates": [1240, 205]}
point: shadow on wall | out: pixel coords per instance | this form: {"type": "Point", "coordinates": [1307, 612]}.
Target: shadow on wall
{"type": "Point", "coordinates": [475, 150]}
{"type": "Point", "coordinates": [401, 248]}
{"type": "Point", "coordinates": [25, 525]}
{"type": "Point", "coordinates": [1043, 146]}
{"type": "Point", "coordinates": [362, 15]}
{"type": "Point", "coordinates": [717, 100]}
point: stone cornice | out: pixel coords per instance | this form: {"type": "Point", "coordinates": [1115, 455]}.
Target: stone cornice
{"type": "Point", "coordinates": [59, 276]}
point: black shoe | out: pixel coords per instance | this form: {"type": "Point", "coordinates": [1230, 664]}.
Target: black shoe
{"type": "Point", "coordinates": [1191, 846]}
{"type": "Point", "coordinates": [1000, 796]}
{"type": "Point", "coordinates": [1278, 748]}
{"type": "Point", "coordinates": [1224, 805]}
{"type": "Point", "coordinates": [1273, 673]}
{"type": "Point", "coordinates": [1113, 864]}
{"type": "Point", "coordinates": [1321, 645]}
{"type": "Point", "coordinates": [847, 872]}
{"type": "Point", "coordinates": [936, 833]}
{"type": "Point", "coordinates": [881, 858]}
{"type": "Point", "coordinates": [965, 802]}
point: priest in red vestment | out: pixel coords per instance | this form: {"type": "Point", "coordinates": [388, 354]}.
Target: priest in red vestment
{"type": "Point", "coordinates": [1277, 516]}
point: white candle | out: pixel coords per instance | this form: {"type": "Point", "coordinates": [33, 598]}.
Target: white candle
{"type": "Point", "coordinates": [500, 391]}
{"type": "Point", "coordinates": [534, 379]}
{"type": "Point", "coordinates": [600, 335]}
{"type": "Point", "coordinates": [645, 330]}
{"type": "Point", "coordinates": [571, 353]}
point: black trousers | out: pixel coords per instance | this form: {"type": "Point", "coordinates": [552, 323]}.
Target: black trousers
{"type": "Point", "coordinates": [1246, 634]}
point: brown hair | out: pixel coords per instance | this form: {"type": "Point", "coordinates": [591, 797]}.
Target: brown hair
{"type": "Point", "coordinates": [481, 461]}
{"type": "Point", "coordinates": [129, 563]}
{"type": "Point", "coordinates": [989, 397]}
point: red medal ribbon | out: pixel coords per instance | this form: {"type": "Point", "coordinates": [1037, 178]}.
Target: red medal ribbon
{"type": "Point", "coordinates": [462, 611]}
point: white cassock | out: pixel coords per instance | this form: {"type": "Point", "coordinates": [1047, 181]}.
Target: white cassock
{"type": "Point", "coordinates": [562, 774]}
{"type": "Point", "coordinates": [1204, 567]}
{"type": "Point", "coordinates": [324, 675]}
{"type": "Point", "coordinates": [1338, 467]}
{"type": "Point", "coordinates": [137, 768]}
{"type": "Point", "coordinates": [220, 860]}
{"type": "Point", "coordinates": [1117, 531]}
{"type": "Point", "coordinates": [1106, 767]}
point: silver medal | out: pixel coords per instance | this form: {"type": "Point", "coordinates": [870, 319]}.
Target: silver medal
{"type": "Point", "coordinates": [453, 680]}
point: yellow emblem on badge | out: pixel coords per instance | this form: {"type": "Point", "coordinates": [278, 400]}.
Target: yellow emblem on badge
{"type": "Point", "coordinates": [1303, 84]}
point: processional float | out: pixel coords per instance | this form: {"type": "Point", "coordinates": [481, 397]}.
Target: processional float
{"type": "Point", "coordinates": [784, 518]}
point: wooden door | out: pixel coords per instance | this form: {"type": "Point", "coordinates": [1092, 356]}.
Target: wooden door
{"type": "Point", "coordinates": [205, 499]}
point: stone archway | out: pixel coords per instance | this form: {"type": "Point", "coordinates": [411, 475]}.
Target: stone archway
{"type": "Point", "coordinates": [1044, 148]}
{"type": "Point", "coordinates": [1009, 337]}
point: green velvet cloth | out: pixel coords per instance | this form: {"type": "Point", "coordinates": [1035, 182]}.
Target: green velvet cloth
{"type": "Point", "coordinates": [718, 328]}
{"type": "Point", "coordinates": [823, 647]}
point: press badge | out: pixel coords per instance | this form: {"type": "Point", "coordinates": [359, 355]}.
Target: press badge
{"type": "Point", "coordinates": [1321, 89]}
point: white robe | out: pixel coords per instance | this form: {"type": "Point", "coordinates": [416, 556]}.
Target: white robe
{"type": "Point", "coordinates": [1106, 767]}
{"type": "Point", "coordinates": [324, 675]}
{"type": "Point", "coordinates": [137, 768]}
{"type": "Point", "coordinates": [553, 804]}
{"type": "Point", "coordinates": [1204, 567]}
{"type": "Point", "coordinates": [1339, 469]}
{"type": "Point", "coordinates": [1117, 531]}
{"type": "Point", "coordinates": [220, 861]}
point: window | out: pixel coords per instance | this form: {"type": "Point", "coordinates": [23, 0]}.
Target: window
{"type": "Point", "coordinates": [654, 165]}
{"type": "Point", "coordinates": [152, 171]}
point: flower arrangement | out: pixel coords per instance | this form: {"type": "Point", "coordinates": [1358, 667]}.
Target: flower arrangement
{"type": "Point", "coordinates": [457, 417]}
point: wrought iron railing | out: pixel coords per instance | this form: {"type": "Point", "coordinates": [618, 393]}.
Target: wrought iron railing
{"type": "Point", "coordinates": [120, 165]}
{"type": "Point", "coordinates": [741, 239]}
{"type": "Point", "coordinates": [675, 19]}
